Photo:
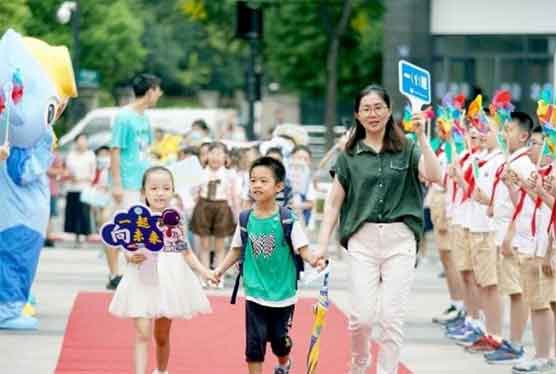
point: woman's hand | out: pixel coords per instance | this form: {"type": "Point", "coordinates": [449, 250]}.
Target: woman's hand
{"type": "Point", "coordinates": [419, 122]}
{"type": "Point", "coordinates": [136, 258]}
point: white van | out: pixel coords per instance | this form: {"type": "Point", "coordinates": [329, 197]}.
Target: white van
{"type": "Point", "coordinates": [98, 122]}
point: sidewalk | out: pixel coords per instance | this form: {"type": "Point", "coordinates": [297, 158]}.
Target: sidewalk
{"type": "Point", "coordinates": [64, 272]}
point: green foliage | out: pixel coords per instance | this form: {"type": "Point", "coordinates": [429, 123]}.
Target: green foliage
{"type": "Point", "coordinates": [13, 14]}
{"type": "Point", "coordinates": [110, 36]}
{"type": "Point", "coordinates": [190, 44]}
{"type": "Point", "coordinates": [296, 45]}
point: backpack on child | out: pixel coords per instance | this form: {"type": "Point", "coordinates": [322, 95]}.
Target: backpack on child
{"type": "Point", "coordinates": [287, 220]}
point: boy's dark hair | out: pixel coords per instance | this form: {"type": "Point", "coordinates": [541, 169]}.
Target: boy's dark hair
{"type": "Point", "coordinates": [524, 121]}
{"type": "Point", "coordinates": [277, 168]}
{"type": "Point", "coordinates": [144, 82]}
{"type": "Point", "coordinates": [216, 145]}
{"type": "Point", "coordinates": [102, 148]}
{"type": "Point", "coordinates": [201, 124]}
{"type": "Point", "coordinates": [276, 150]}
{"type": "Point", "coordinates": [205, 144]}
{"type": "Point", "coordinates": [304, 148]}
{"type": "Point", "coordinates": [537, 129]}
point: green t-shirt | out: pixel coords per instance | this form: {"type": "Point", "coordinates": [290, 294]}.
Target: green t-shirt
{"type": "Point", "coordinates": [269, 273]}
{"type": "Point", "coordinates": [132, 134]}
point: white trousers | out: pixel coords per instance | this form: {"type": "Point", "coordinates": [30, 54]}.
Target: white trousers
{"type": "Point", "coordinates": [382, 267]}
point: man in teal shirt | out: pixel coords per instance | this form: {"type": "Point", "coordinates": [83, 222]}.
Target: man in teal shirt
{"type": "Point", "coordinates": [131, 138]}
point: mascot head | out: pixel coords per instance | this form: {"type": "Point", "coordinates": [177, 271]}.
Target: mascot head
{"type": "Point", "coordinates": [36, 83]}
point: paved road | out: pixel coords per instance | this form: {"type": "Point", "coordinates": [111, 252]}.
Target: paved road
{"type": "Point", "coordinates": [64, 272]}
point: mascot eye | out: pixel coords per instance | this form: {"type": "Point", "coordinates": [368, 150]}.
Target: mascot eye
{"type": "Point", "coordinates": [50, 114]}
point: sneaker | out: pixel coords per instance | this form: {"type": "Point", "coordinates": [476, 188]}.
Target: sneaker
{"type": "Point", "coordinates": [470, 338]}
{"type": "Point", "coordinates": [506, 354]}
{"type": "Point", "coordinates": [485, 344]}
{"type": "Point", "coordinates": [281, 370]}
{"type": "Point", "coordinates": [449, 314]}
{"type": "Point", "coordinates": [456, 323]}
{"type": "Point", "coordinates": [534, 365]}
{"type": "Point", "coordinates": [459, 332]}
{"type": "Point", "coordinates": [113, 282]}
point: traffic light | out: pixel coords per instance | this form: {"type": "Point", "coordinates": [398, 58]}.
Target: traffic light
{"type": "Point", "coordinates": [249, 21]}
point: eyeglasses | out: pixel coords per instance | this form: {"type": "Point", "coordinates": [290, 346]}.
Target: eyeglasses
{"type": "Point", "coordinates": [379, 110]}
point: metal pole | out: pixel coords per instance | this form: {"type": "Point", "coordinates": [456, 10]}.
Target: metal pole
{"type": "Point", "coordinates": [554, 77]}
{"type": "Point", "coordinates": [76, 29]}
{"type": "Point", "coordinates": [251, 89]}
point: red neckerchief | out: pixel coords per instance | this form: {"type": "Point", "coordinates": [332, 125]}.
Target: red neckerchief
{"type": "Point", "coordinates": [469, 177]}
{"type": "Point", "coordinates": [543, 172]}
{"type": "Point", "coordinates": [552, 222]}
{"type": "Point", "coordinates": [498, 175]}
{"type": "Point", "coordinates": [461, 161]}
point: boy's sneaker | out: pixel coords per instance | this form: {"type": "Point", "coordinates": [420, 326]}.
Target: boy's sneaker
{"type": "Point", "coordinates": [485, 344]}
{"type": "Point", "coordinates": [458, 323]}
{"type": "Point", "coordinates": [278, 369]}
{"type": "Point", "coordinates": [113, 282]}
{"type": "Point", "coordinates": [449, 315]}
{"type": "Point", "coordinates": [506, 354]}
{"type": "Point", "coordinates": [470, 339]}
{"type": "Point", "coordinates": [534, 365]}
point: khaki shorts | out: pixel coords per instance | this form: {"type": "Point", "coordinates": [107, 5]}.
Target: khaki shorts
{"type": "Point", "coordinates": [509, 277]}
{"type": "Point", "coordinates": [461, 250]}
{"type": "Point", "coordinates": [483, 258]}
{"type": "Point", "coordinates": [439, 220]}
{"type": "Point", "coordinates": [538, 289]}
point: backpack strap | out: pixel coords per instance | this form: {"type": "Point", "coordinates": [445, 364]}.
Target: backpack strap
{"type": "Point", "coordinates": [243, 221]}
{"type": "Point", "coordinates": [287, 220]}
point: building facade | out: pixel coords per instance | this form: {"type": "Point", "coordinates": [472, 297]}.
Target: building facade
{"type": "Point", "coordinates": [474, 46]}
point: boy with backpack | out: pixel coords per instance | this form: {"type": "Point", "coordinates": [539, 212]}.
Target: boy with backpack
{"type": "Point", "coordinates": [270, 246]}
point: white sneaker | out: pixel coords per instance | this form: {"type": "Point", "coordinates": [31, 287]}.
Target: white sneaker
{"type": "Point", "coordinates": [534, 365]}
{"type": "Point", "coordinates": [156, 371]}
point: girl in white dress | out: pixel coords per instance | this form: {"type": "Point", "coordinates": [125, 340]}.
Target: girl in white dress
{"type": "Point", "coordinates": [160, 286]}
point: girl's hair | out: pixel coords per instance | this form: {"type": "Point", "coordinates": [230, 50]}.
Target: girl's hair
{"type": "Point", "coordinates": [152, 170]}
{"type": "Point", "coordinates": [304, 148]}
{"type": "Point", "coordinates": [394, 138]}
{"type": "Point", "coordinates": [218, 145]}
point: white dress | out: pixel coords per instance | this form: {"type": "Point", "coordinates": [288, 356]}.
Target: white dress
{"type": "Point", "coordinates": [162, 286]}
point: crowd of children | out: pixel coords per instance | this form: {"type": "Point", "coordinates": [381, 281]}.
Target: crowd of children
{"type": "Point", "coordinates": [494, 232]}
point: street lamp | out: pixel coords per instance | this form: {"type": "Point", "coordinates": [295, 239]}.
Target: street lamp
{"type": "Point", "coordinates": [69, 10]}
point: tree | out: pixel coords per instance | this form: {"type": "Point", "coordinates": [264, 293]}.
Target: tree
{"type": "Point", "coordinates": [110, 36]}
{"type": "Point", "coordinates": [334, 34]}
{"type": "Point", "coordinates": [346, 34]}
{"type": "Point", "coordinates": [13, 14]}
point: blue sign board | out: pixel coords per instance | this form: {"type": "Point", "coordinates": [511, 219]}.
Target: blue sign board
{"type": "Point", "coordinates": [415, 82]}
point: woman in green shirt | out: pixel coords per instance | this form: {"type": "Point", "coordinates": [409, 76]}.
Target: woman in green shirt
{"type": "Point", "coordinates": [378, 197]}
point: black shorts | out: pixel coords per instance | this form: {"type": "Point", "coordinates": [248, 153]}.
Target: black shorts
{"type": "Point", "coordinates": [266, 324]}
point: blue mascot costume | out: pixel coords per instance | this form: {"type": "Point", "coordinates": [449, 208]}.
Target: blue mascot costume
{"type": "Point", "coordinates": [36, 82]}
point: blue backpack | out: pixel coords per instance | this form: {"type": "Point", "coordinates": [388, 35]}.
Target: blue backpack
{"type": "Point", "coordinates": [286, 219]}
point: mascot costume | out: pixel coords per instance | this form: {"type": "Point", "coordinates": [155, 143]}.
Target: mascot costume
{"type": "Point", "coordinates": [36, 82]}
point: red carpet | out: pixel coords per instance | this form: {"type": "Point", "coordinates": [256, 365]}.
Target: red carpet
{"type": "Point", "coordinates": [95, 342]}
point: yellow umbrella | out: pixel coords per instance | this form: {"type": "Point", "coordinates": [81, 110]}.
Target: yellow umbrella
{"type": "Point", "coordinates": [320, 310]}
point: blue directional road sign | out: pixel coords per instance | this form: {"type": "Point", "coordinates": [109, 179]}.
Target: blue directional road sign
{"type": "Point", "coordinates": [415, 82]}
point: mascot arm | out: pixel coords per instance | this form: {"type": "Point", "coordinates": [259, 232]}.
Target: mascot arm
{"type": "Point", "coordinates": [26, 165]}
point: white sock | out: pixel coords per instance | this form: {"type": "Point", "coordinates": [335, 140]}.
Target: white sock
{"type": "Point", "coordinates": [477, 324]}
{"type": "Point", "coordinates": [458, 304]}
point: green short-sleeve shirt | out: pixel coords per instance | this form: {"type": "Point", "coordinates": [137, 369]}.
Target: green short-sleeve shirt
{"type": "Point", "coordinates": [380, 188]}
